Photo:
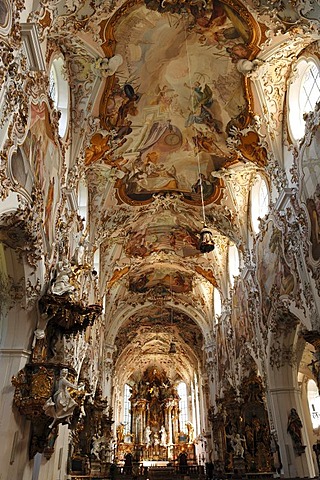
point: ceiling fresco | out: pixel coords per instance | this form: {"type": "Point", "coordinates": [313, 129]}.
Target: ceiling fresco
{"type": "Point", "coordinates": [162, 280]}
{"type": "Point", "coordinates": [179, 144]}
{"type": "Point", "coordinates": [147, 335]}
{"type": "Point", "coordinates": [158, 237]}
{"type": "Point", "coordinates": [175, 92]}
{"type": "Point", "coordinates": [168, 106]}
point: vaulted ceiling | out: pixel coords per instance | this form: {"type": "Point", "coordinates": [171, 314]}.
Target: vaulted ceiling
{"type": "Point", "coordinates": [172, 88]}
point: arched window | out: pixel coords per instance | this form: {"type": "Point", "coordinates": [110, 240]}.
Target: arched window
{"type": "Point", "coordinates": [59, 93]}
{"type": "Point", "coordinates": [83, 201]}
{"type": "Point", "coordinates": [96, 261]}
{"type": "Point", "coordinates": [233, 263]}
{"type": "Point", "coordinates": [304, 93]}
{"type": "Point", "coordinates": [314, 403]}
{"type": "Point", "coordinates": [183, 406]}
{"type": "Point", "coordinates": [127, 409]}
{"type": "Point", "coordinates": [259, 202]}
{"type": "Point", "coordinates": [217, 304]}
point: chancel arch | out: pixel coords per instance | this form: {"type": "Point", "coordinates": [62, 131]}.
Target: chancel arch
{"type": "Point", "coordinates": [157, 350]}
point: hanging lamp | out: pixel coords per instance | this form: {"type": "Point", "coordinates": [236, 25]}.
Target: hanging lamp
{"type": "Point", "coordinates": [206, 243]}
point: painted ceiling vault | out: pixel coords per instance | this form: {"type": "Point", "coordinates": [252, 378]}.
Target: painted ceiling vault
{"type": "Point", "coordinates": [172, 90]}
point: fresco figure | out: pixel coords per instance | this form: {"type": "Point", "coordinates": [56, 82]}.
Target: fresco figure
{"type": "Point", "coordinates": [202, 102]}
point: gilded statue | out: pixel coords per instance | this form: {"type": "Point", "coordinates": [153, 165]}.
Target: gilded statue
{"type": "Point", "coordinates": [120, 433]}
{"type": "Point", "coordinates": [190, 432]}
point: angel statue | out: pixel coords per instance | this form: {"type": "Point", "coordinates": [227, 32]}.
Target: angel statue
{"type": "Point", "coordinates": [238, 443]}
{"type": "Point", "coordinates": [62, 405]}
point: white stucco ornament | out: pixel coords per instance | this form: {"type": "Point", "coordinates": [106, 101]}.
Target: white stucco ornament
{"type": "Point", "coordinates": [106, 67]}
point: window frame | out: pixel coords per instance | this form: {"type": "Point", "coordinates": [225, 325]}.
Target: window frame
{"type": "Point", "coordinates": [295, 112]}
{"type": "Point", "coordinates": [233, 271]}
{"type": "Point", "coordinates": [256, 209]}
{"type": "Point", "coordinates": [183, 406]}
{"type": "Point", "coordinates": [61, 99]}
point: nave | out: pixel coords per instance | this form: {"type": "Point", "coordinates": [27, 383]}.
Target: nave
{"type": "Point", "coordinates": [159, 239]}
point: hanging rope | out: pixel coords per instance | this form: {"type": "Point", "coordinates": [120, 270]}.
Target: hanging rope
{"type": "Point", "coordinates": [196, 152]}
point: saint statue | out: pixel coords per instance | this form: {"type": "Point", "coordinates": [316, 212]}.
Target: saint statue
{"type": "Point", "coordinates": [163, 437]}
{"type": "Point", "coordinates": [147, 436]}
{"type": "Point", "coordinates": [190, 432]}
{"type": "Point", "coordinates": [294, 427]}
{"type": "Point", "coordinates": [96, 446]}
{"type": "Point", "coordinates": [120, 433]}
{"type": "Point", "coordinates": [62, 282]}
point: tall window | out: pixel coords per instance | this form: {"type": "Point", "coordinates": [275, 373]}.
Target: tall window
{"type": "Point", "coordinates": [83, 201]}
{"type": "Point", "coordinates": [96, 260]}
{"type": "Point", "coordinates": [59, 93]}
{"type": "Point", "coordinates": [314, 403]}
{"type": "Point", "coordinates": [217, 304]}
{"type": "Point", "coordinates": [183, 406]}
{"type": "Point", "coordinates": [127, 409]}
{"type": "Point", "coordinates": [233, 262]}
{"type": "Point", "coordinates": [259, 202]}
{"type": "Point", "coordinates": [304, 93]}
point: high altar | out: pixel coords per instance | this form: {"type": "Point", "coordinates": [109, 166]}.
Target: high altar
{"type": "Point", "coordinates": [156, 435]}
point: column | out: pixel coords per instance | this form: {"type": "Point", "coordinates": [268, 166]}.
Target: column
{"type": "Point", "coordinates": [281, 400]}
